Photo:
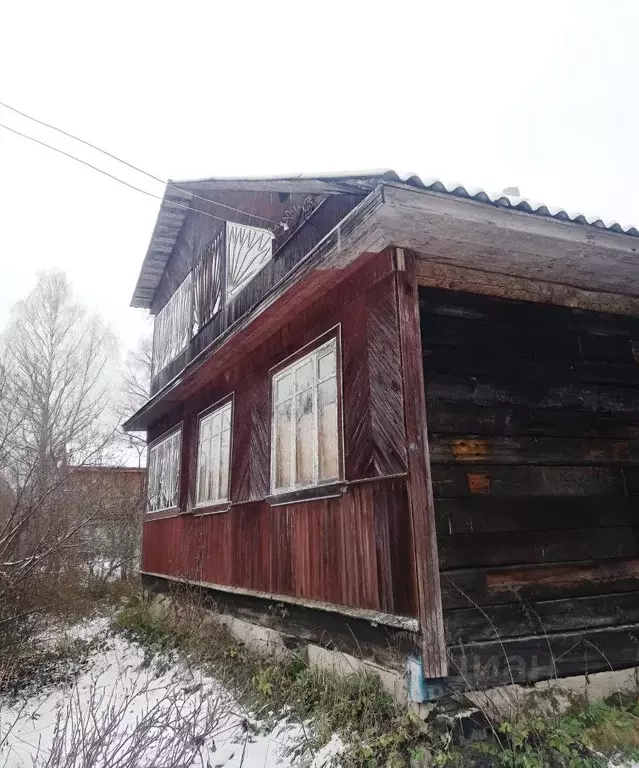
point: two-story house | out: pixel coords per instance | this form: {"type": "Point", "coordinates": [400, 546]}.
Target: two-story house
{"type": "Point", "coordinates": [387, 412]}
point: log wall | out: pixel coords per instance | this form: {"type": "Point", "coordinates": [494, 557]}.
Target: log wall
{"type": "Point", "coordinates": [533, 420]}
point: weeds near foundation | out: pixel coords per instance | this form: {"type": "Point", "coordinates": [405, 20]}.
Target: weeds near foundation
{"type": "Point", "coordinates": [540, 733]}
{"type": "Point", "coordinates": [375, 728]}
{"type": "Point", "coordinates": [587, 736]}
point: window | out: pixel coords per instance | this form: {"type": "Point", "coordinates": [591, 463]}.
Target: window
{"type": "Point", "coordinates": [305, 440]}
{"type": "Point", "coordinates": [164, 472]}
{"type": "Point", "coordinates": [213, 457]}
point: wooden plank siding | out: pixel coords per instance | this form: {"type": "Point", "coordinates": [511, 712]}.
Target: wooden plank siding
{"type": "Point", "coordinates": [351, 550]}
{"type": "Point", "coordinates": [533, 417]}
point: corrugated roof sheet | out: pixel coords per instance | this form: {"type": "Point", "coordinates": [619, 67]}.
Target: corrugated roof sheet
{"type": "Point", "coordinates": [509, 201]}
{"type": "Point", "coordinates": [369, 179]}
{"type": "Point", "coordinates": [178, 194]}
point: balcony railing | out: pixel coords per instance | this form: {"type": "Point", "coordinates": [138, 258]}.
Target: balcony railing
{"type": "Point", "coordinates": [225, 267]}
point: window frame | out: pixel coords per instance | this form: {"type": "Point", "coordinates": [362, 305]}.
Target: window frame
{"type": "Point", "coordinates": [334, 486]}
{"type": "Point", "coordinates": [150, 446]}
{"type": "Point", "coordinates": [219, 505]}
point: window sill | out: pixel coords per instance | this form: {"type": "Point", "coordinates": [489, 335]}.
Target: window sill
{"type": "Point", "coordinates": [162, 514]}
{"type": "Point", "coordinates": [211, 509]}
{"type": "Point", "coordinates": [328, 491]}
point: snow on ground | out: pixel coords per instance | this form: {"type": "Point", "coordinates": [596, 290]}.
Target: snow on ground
{"type": "Point", "coordinates": [125, 711]}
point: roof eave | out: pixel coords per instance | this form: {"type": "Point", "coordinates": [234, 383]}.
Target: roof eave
{"type": "Point", "coordinates": [454, 230]}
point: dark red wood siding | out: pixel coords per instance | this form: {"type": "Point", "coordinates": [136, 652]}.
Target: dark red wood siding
{"type": "Point", "coordinates": [353, 550]}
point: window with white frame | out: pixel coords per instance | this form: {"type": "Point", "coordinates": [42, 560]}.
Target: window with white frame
{"type": "Point", "coordinates": [214, 452]}
{"type": "Point", "coordinates": [305, 447]}
{"type": "Point", "coordinates": [164, 472]}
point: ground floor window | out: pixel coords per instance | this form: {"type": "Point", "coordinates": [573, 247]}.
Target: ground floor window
{"type": "Point", "coordinates": [214, 452]}
{"type": "Point", "coordinates": [305, 444]}
{"type": "Point", "coordinates": [164, 472]}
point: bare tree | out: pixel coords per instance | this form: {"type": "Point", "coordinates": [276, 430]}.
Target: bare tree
{"type": "Point", "coordinates": [137, 376]}
{"type": "Point", "coordinates": [55, 392]}
{"type": "Point", "coordinates": [136, 384]}
{"type": "Point", "coordinates": [56, 361]}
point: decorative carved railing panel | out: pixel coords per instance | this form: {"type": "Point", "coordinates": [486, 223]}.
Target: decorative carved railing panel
{"type": "Point", "coordinates": [248, 250]}
{"type": "Point", "coordinates": [173, 327]}
{"type": "Point", "coordinates": [208, 282]}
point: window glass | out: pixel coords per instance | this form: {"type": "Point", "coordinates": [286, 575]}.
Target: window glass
{"type": "Point", "coordinates": [214, 451]}
{"type": "Point", "coordinates": [304, 442]}
{"type": "Point", "coordinates": [282, 458]}
{"type": "Point", "coordinates": [164, 473]}
{"type": "Point", "coordinates": [305, 437]}
{"type": "Point", "coordinates": [327, 443]}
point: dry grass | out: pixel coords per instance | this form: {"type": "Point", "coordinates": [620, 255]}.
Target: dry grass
{"type": "Point", "coordinates": [376, 728]}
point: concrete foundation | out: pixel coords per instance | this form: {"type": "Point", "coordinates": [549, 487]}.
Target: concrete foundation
{"type": "Point", "coordinates": [506, 701]}
{"type": "Point", "coordinates": [401, 682]}
{"type": "Point", "coordinates": [255, 637]}
{"type": "Point", "coordinates": [499, 702]}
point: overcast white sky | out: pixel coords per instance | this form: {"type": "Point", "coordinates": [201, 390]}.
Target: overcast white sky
{"type": "Point", "coordinates": [539, 95]}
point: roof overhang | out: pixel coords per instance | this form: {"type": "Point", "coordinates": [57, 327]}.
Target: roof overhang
{"type": "Point", "coordinates": [509, 241]}
{"type": "Point", "coordinates": [447, 229]}
{"type": "Point", "coordinates": [179, 196]}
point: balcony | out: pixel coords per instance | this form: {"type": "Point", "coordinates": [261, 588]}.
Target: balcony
{"type": "Point", "coordinates": [227, 265]}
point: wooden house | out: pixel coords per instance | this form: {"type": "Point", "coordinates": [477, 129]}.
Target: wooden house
{"type": "Point", "coordinates": [391, 413]}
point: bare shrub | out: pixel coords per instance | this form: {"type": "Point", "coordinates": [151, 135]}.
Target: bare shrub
{"type": "Point", "coordinates": [174, 725]}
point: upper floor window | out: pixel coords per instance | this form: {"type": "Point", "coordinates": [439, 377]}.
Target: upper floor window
{"type": "Point", "coordinates": [228, 263]}
{"type": "Point", "coordinates": [164, 472]}
{"type": "Point", "coordinates": [305, 445]}
{"type": "Point", "coordinates": [213, 456]}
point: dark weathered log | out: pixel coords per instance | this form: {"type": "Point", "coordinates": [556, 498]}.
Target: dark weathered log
{"type": "Point", "coordinates": [453, 480]}
{"type": "Point", "coordinates": [505, 421]}
{"type": "Point", "coordinates": [533, 450]}
{"type": "Point", "coordinates": [523, 618]}
{"type": "Point", "coordinates": [486, 514]}
{"type": "Point", "coordinates": [540, 657]}
{"type": "Point", "coordinates": [299, 623]}
{"type": "Point", "coordinates": [471, 550]}
{"type": "Point", "coordinates": [493, 391]}
{"type": "Point", "coordinates": [492, 586]}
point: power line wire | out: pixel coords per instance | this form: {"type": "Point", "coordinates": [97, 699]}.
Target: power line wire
{"type": "Point", "coordinates": [125, 162]}
{"type": "Point", "coordinates": [106, 173]}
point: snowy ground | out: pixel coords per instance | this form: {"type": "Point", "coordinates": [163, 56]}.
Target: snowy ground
{"type": "Point", "coordinates": [123, 712]}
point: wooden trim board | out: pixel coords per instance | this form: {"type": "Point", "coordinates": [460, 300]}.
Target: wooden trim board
{"type": "Point", "coordinates": [420, 492]}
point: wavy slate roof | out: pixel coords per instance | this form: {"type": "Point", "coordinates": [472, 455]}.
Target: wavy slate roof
{"type": "Point", "coordinates": [509, 201]}
{"type": "Point", "coordinates": [178, 194]}
{"type": "Point", "coordinates": [367, 180]}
